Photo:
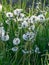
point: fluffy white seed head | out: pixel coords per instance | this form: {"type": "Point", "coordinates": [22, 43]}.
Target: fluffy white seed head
{"type": "Point", "coordinates": [16, 41]}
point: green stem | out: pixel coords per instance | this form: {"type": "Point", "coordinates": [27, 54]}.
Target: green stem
{"type": "Point", "coordinates": [44, 4]}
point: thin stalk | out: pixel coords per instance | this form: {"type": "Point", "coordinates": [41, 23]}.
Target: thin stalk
{"type": "Point", "coordinates": [11, 5]}
{"type": "Point", "coordinates": [44, 4]}
{"type": "Point", "coordinates": [15, 59]}
{"type": "Point", "coordinates": [41, 61]}
{"type": "Point", "coordinates": [33, 6]}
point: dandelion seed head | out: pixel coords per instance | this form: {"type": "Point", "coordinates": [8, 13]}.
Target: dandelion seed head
{"type": "Point", "coordinates": [41, 17]}
{"type": "Point", "coordinates": [33, 19]}
{"type": "Point", "coordinates": [9, 14]}
{"type": "Point", "coordinates": [5, 37]}
{"type": "Point", "coordinates": [17, 11]}
{"type": "Point", "coordinates": [16, 41]}
{"type": "Point", "coordinates": [24, 24]}
{"type": "Point", "coordinates": [29, 36]}
{"type": "Point", "coordinates": [14, 49]}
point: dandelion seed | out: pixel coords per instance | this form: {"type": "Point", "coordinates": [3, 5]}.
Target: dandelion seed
{"type": "Point", "coordinates": [5, 37]}
{"type": "Point", "coordinates": [9, 14]}
{"type": "Point", "coordinates": [14, 49]}
{"type": "Point", "coordinates": [17, 11]}
{"type": "Point", "coordinates": [41, 17]}
{"type": "Point", "coordinates": [33, 19]}
{"type": "Point", "coordinates": [24, 24]}
{"type": "Point", "coordinates": [16, 41]}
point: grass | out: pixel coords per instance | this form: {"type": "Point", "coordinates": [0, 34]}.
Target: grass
{"type": "Point", "coordinates": [7, 56]}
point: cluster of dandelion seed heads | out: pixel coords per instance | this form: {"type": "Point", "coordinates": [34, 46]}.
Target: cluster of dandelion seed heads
{"type": "Point", "coordinates": [23, 22]}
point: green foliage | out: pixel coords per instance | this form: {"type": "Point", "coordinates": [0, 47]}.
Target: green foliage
{"type": "Point", "coordinates": [7, 56]}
